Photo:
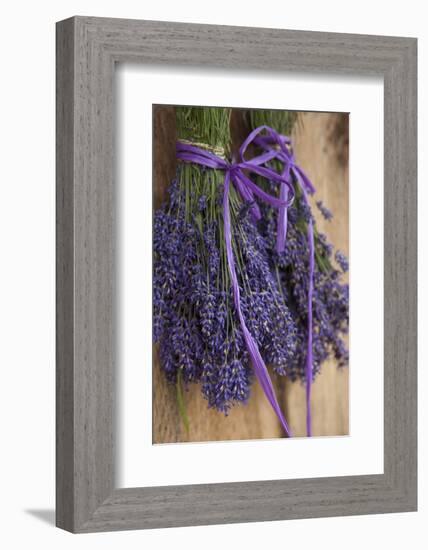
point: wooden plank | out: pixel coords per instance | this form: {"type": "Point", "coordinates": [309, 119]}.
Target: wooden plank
{"type": "Point", "coordinates": [64, 275]}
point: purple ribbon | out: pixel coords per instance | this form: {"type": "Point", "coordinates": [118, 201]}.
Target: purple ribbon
{"type": "Point", "coordinates": [286, 156]}
{"type": "Point", "coordinates": [248, 189]}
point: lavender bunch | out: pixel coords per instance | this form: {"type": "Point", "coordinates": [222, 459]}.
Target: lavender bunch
{"type": "Point", "coordinates": [331, 295]}
{"type": "Point", "coordinates": [195, 322]}
{"type": "Point", "coordinates": [194, 318]}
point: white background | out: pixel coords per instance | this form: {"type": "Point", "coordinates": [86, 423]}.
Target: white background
{"type": "Point", "coordinates": [27, 285]}
{"type": "Point", "coordinates": [138, 88]}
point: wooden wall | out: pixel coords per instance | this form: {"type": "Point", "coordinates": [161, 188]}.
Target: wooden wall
{"type": "Point", "coordinates": [320, 145]}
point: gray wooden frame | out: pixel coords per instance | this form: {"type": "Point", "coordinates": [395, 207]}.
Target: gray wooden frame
{"type": "Point", "coordinates": [87, 50]}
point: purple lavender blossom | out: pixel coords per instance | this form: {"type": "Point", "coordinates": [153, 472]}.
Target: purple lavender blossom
{"type": "Point", "coordinates": [324, 211]}
{"type": "Point", "coordinates": [202, 203]}
{"type": "Point", "coordinates": [342, 260]}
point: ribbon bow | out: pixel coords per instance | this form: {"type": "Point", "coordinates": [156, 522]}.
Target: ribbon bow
{"type": "Point", "coordinates": [275, 146]}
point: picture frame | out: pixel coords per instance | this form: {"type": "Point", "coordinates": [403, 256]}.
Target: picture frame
{"type": "Point", "coordinates": [87, 51]}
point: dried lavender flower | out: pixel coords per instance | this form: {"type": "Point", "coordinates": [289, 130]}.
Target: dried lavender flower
{"type": "Point", "coordinates": [324, 211]}
{"type": "Point", "coordinates": [342, 260]}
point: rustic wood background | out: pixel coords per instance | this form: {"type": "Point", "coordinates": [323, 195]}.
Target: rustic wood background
{"type": "Point", "coordinates": [321, 148]}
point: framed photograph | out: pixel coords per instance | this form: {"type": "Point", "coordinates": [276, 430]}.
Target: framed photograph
{"type": "Point", "coordinates": [236, 274]}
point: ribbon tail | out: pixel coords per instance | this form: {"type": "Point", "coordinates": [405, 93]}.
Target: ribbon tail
{"type": "Point", "coordinates": [259, 366]}
{"type": "Point", "coordinates": [262, 375]}
{"type": "Point", "coordinates": [281, 233]}
{"type": "Point", "coordinates": [309, 357]}
{"type": "Point", "coordinates": [305, 187]}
